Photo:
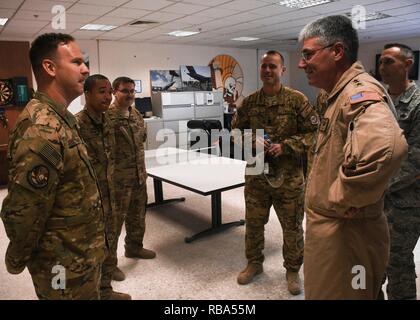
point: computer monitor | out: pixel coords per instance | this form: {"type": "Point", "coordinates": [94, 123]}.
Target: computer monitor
{"type": "Point", "coordinates": [143, 105]}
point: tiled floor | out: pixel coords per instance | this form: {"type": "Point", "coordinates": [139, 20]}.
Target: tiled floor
{"type": "Point", "coordinates": [205, 269]}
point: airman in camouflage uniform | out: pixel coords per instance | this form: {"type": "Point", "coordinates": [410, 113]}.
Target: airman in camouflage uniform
{"type": "Point", "coordinates": [53, 213]}
{"type": "Point", "coordinates": [94, 130]}
{"type": "Point", "coordinates": [290, 121]}
{"type": "Point", "coordinates": [403, 197]}
{"type": "Point", "coordinates": [128, 128]}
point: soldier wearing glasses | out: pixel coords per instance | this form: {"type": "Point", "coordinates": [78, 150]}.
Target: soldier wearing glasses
{"type": "Point", "coordinates": [359, 147]}
{"type": "Point", "coordinates": [127, 124]}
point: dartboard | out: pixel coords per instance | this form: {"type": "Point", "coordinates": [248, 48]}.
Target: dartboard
{"type": "Point", "coordinates": [6, 92]}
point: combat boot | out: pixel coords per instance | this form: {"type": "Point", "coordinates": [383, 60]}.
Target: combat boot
{"type": "Point", "coordinates": [251, 270]}
{"type": "Point", "coordinates": [294, 284]}
{"type": "Point", "coordinates": [119, 296]}
{"type": "Point", "coordinates": [141, 253]}
{"type": "Point", "coordinates": [118, 275]}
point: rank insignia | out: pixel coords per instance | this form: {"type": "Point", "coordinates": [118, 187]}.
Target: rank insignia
{"type": "Point", "coordinates": [324, 124]}
{"type": "Point", "coordinates": [38, 177]}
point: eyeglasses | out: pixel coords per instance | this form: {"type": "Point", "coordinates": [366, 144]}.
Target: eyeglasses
{"type": "Point", "coordinates": [307, 55]}
{"type": "Point", "coordinates": [126, 91]}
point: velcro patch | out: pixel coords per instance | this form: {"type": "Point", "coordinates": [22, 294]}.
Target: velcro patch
{"type": "Point", "coordinates": [307, 110]}
{"type": "Point", "coordinates": [365, 96]}
{"type": "Point", "coordinates": [38, 176]}
{"type": "Point", "coordinates": [47, 152]}
{"type": "Point", "coordinates": [324, 124]}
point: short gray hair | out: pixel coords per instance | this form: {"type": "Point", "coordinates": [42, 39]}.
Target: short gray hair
{"type": "Point", "coordinates": [333, 29]}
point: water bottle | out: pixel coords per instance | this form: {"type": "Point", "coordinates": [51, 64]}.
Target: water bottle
{"type": "Point", "coordinates": [267, 138]}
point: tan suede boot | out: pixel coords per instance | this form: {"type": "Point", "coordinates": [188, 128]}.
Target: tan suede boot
{"type": "Point", "coordinates": [140, 253]}
{"type": "Point", "coordinates": [249, 273]}
{"type": "Point", "coordinates": [294, 285]}
{"type": "Point", "coordinates": [119, 296]}
{"type": "Point", "coordinates": [118, 275]}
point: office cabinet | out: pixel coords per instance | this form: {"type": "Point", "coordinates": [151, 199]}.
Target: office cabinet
{"type": "Point", "coordinates": [176, 108]}
{"type": "Point", "coordinates": [153, 126]}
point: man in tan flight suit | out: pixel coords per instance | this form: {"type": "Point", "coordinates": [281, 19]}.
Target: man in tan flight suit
{"type": "Point", "coordinates": [359, 147]}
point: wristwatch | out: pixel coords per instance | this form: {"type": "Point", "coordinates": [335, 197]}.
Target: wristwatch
{"type": "Point", "coordinates": [6, 92]}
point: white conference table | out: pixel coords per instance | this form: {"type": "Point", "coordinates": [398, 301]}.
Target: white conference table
{"type": "Point", "coordinates": [198, 172]}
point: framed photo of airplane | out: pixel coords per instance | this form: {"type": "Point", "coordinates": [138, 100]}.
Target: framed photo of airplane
{"type": "Point", "coordinates": [165, 80]}
{"type": "Point", "coordinates": [196, 77]}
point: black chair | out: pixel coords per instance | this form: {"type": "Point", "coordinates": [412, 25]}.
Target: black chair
{"type": "Point", "coordinates": [207, 126]}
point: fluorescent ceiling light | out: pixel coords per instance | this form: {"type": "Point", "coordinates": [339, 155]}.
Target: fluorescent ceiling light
{"type": "Point", "coordinates": [245, 39]}
{"type": "Point", "coordinates": [3, 21]}
{"type": "Point", "coordinates": [97, 27]}
{"type": "Point", "coordinates": [303, 3]}
{"type": "Point", "coordinates": [180, 33]}
{"type": "Point", "coordinates": [371, 16]}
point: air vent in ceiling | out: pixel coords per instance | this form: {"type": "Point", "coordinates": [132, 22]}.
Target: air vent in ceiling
{"type": "Point", "coordinates": [141, 22]}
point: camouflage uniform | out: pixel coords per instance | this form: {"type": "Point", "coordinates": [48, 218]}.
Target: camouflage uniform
{"type": "Point", "coordinates": [289, 119]}
{"type": "Point", "coordinates": [129, 174]}
{"type": "Point", "coordinates": [403, 202]}
{"type": "Point", "coordinates": [101, 150]}
{"type": "Point", "coordinates": [53, 213]}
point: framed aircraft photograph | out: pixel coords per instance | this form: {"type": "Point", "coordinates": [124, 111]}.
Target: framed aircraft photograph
{"type": "Point", "coordinates": [165, 80]}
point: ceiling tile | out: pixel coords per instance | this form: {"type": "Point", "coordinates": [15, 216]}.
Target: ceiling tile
{"type": "Point", "coordinates": [114, 21]}
{"type": "Point", "coordinates": [7, 4]}
{"type": "Point", "coordinates": [82, 34]}
{"type": "Point", "coordinates": [411, 16]}
{"type": "Point", "coordinates": [176, 25]}
{"type": "Point", "coordinates": [89, 9]}
{"type": "Point", "coordinates": [402, 11]}
{"type": "Point", "coordinates": [127, 13]}
{"type": "Point", "coordinates": [272, 10]}
{"type": "Point", "coordinates": [82, 18]}
{"type": "Point", "coordinates": [209, 3]}
{"type": "Point", "coordinates": [6, 13]}
{"type": "Point", "coordinates": [33, 15]}
{"type": "Point", "coordinates": [128, 30]}
{"type": "Point", "coordinates": [70, 27]}
{"type": "Point", "coordinates": [14, 33]}
{"type": "Point", "coordinates": [217, 13]}
{"type": "Point", "coordinates": [43, 5]}
{"type": "Point", "coordinates": [387, 5]}
{"type": "Point", "coordinates": [243, 5]}
{"type": "Point", "coordinates": [193, 19]}
{"type": "Point", "coordinates": [26, 24]}
{"type": "Point", "coordinates": [112, 3]}
{"type": "Point", "coordinates": [184, 8]}
{"type": "Point", "coordinates": [162, 16]}
{"type": "Point", "coordinates": [241, 17]}
{"type": "Point", "coordinates": [148, 4]}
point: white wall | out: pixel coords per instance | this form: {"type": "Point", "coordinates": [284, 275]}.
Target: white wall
{"type": "Point", "coordinates": [367, 53]}
{"type": "Point", "coordinates": [135, 60]}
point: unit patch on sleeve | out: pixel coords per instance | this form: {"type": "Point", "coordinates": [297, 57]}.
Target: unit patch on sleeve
{"type": "Point", "coordinates": [38, 176]}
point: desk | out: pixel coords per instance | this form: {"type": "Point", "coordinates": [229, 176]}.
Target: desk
{"type": "Point", "coordinates": [198, 172]}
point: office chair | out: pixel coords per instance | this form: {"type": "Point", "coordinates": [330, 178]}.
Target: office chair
{"type": "Point", "coordinates": [207, 126]}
